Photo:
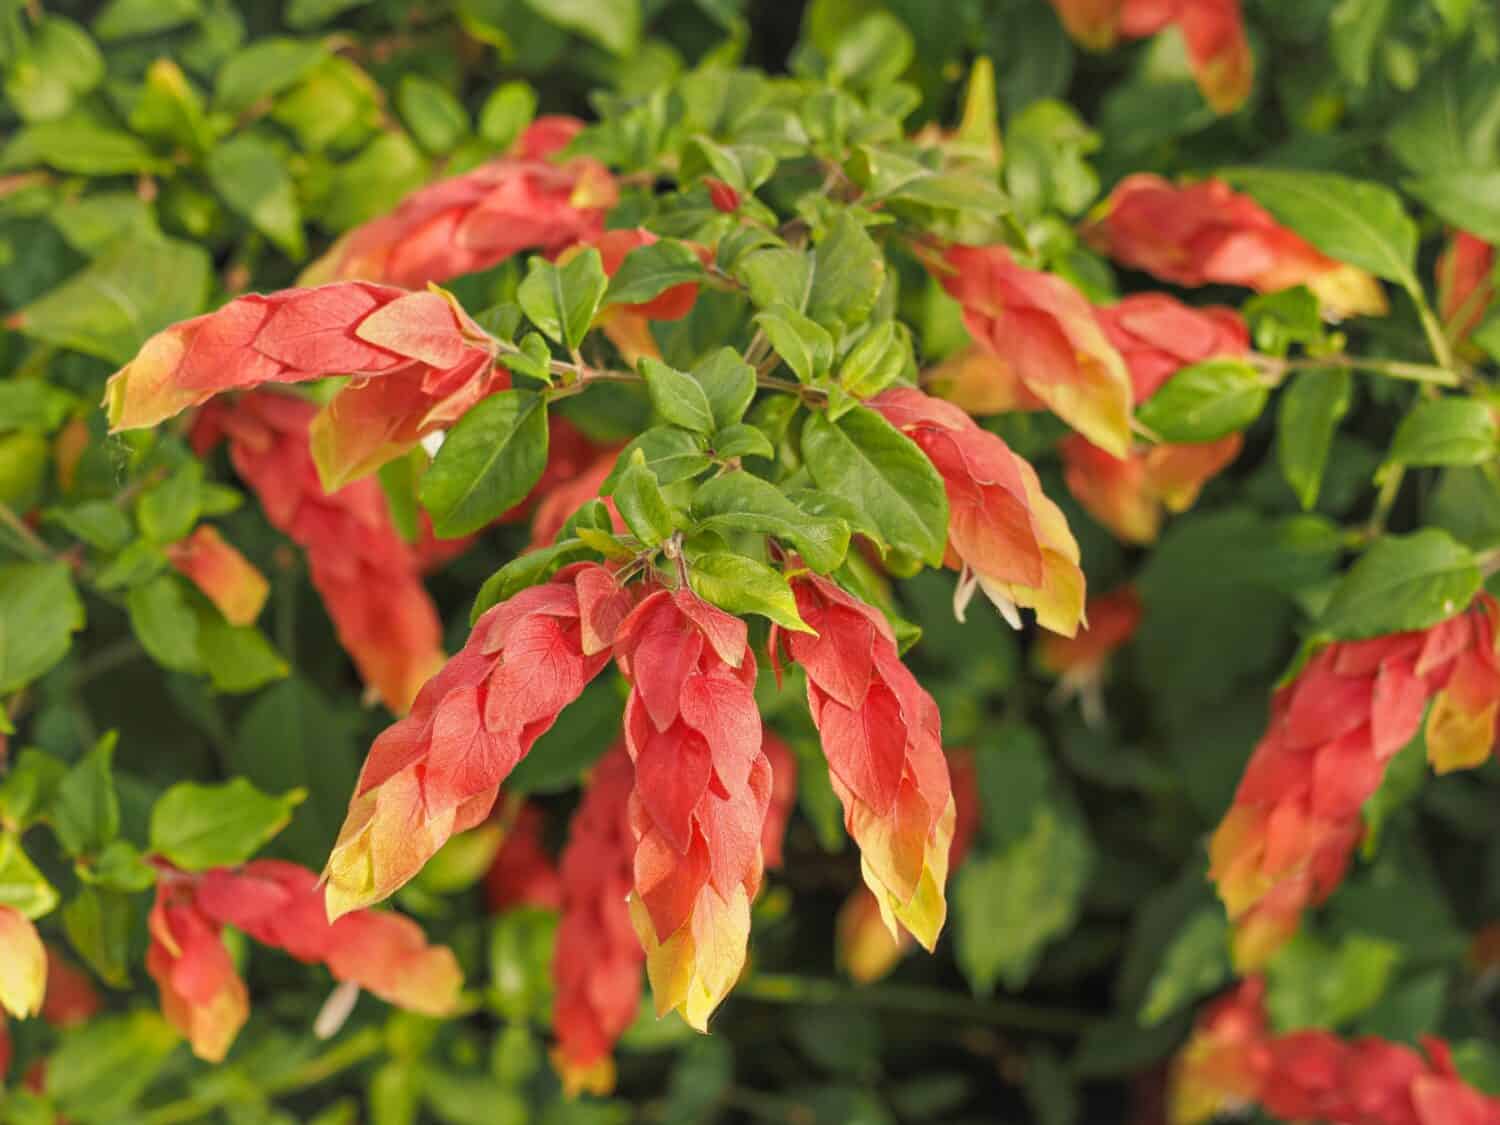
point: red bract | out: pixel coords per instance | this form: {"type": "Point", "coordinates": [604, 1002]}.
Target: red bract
{"type": "Point", "coordinates": [1214, 31]}
{"type": "Point", "coordinates": [1465, 286]}
{"type": "Point", "coordinates": [1080, 663]}
{"type": "Point", "coordinates": [366, 574]}
{"type": "Point", "coordinates": [225, 576]}
{"type": "Point", "coordinates": [1287, 840]}
{"type": "Point", "coordinates": [437, 771]}
{"type": "Point", "coordinates": [281, 905]}
{"type": "Point", "coordinates": [979, 382]}
{"type": "Point", "coordinates": [702, 790]}
{"type": "Point", "coordinates": [23, 965]}
{"type": "Point", "coordinates": [881, 735]}
{"type": "Point", "coordinates": [558, 503]}
{"type": "Point", "coordinates": [1207, 233]}
{"type": "Point", "coordinates": [1158, 336]}
{"type": "Point", "coordinates": [1003, 533]}
{"type": "Point", "coordinates": [867, 950]}
{"type": "Point", "coordinates": [783, 798]}
{"type": "Point", "coordinates": [597, 963]}
{"type": "Point", "coordinates": [1233, 1062]}
{"type": "Point", "coordinates": [1094, 24]}
{"type": "Point", "coordinates": [293, 335]}
{"type": "Point", "coordinates": [71, 997]}
{"type": "Point", "coordinates": [1045, 332]}
{"type": "Point", "coordinates": [476, 220]}
{"type": "Point", "coordinates": [201, 994]}
{"type": "Point", "coordinates": [522, 872]}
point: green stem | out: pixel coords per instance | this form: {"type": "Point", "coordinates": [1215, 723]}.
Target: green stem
{"type": "Point", "coordinates": [356, 1049]}
{"type": "Point", "coordinates": [1391, 368]}
{"type": "Point", "coordinates": [784, 988]}
{"type": "Point", "coordinates": [1390, 488]}
{"type": "Point", "coordinates": [30, 540]}
{"type": "Point", "coordinates": [1437, 339]}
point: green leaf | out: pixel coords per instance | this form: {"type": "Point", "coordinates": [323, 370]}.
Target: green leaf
{"type": "Point", "coordinates": [1469, 200]}
{"type": "Point", "coordinates": [39, 613]}
{"type": "Point", "coordinates": [56, 65]}
{"type": "Point", "coordinates": [251, 175]}
{"type": "Point", "coordinates": [98, 923]}
{"type": "Point", "coordinates": [1307, 417]}
{"type": "Point", "coordinates": [238, 658]}
{"type": "Point", "coordinates": [507, 111]}
{"type": "Point", "coordinates": [881, 357]}
{"type": "Point", "coordinates": [848, 271]}
{"type": "Point", "coordinates": [649, 271]}
{"type": "Point", "coordinates": [119, 866]}
{"type": "Point", "coordinates": [742, 585]}
{"type": "Point", "coordinates": [1205, 402]}
{"type": "Point", "coordinates": [1452, 124]}
{"type": "Point", "coordinates": [1355, 29]}
{"type": "Point", "coordinates": [164, 622]}
{"type": "Point", "coordinates": [1009, 904]}
{"type": "Point", "coordinates": [742, 441]}
{"type": "Point", "coordinates": [525, 571]}
{"type": "Point", "coordinates": [75, 144]}
{"type": "Point", "coordinates": [1194, 964]}
{"type": "Point", "coordinates": [22, 887]}
{"type": "Point", "coordinates": [171, 109]}
{"type": "Point", "coordinates": [879, 470]}
{"type": "Point", "coordinates": [30, 786]}
{"type": "Point", "coordinates": [740, 501]}
{"type": "Point", "coordinates": [562, 300]}
{"type": "Point", "coordinates": [435, 117]}
{"type": "Point", "coordinates": [263, 70]}
{"type": "Point", "coordinates": [775, 276]}
{"type": "Point", "coordinates": [130, 291]}
{"type": "Point", "coordinates": [303, 14]}
{"type": "Point", "coordinates": [872, 52]}
{"type": "Point", "coordinates": [642, 506]}
{"type": "Point", "coordinates": [803, 345]}
{"type": "Point", "coordinates": [1402, 582]}
{"type": "Point", "coordinates": [614, 24]}
{"type": "Point", "coordinates": [86, 810]}
{"type": "Point", "coordinates": [167, 511]}
{"type": "Point", "coordinates": [1313, 984]}
{"type": "Point", "coordinates": [487, 464]}
{"type": "Point", "coordinates": [1354, 221]}
{"type": "Point", "coordinates": [399, 480]}
{"type": "Point", "coordinates": [677, 396]}
{"type": "Point", "coordinates": [121, 19]}
{"type": "Point", "coordinates": [104, 1066]}
{"type": "Point", "coordinates": [203, 826]}
{"type": "Point", "coordinates": [35, 406]}
{"type": "Point", "coordinates": [1445, 431]}
{"type": "Point", "coordinates": [729, 383]}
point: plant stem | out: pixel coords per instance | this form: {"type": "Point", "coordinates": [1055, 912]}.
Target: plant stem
{"type": "Point", "coordinates": [30, 540]}
{"type": "Point", "coordinates": [783, 988]}
{"type": "Point", "coordinates": [351, 1052]}
{"type": "Point", "coordinates": [1437, 339]}
{"type": "Point", "coordinates": [1390, 488]}
{"type": "Point", "coordinates": [1391, 368]}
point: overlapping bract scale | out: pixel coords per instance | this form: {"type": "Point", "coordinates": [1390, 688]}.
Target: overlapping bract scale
{"type": "Point", "coordinates": [437, 771]}
{"type": "Point", "coordinates": [1287, 839]}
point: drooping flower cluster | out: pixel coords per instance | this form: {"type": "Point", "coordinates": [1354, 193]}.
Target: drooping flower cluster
{"type": "Point", "coordinates": [597, 961]}
{"type": "Point", "coordinates": [1045, 332]}
{"type": "Point", "coordinates": [1234, 1061]}
{"type": "Point", "coordinates": [702, 790]}
{"type": "Point", "coordinates": [1157, 335]}
{"type": "Point", "coordinates": [1466, 286]}
{"type": "Point", "coordinates": [421, 343]}
{"type": "Point", "coordinates": [867, 950]}
{"type": "Point", "coordinates": [1004, 534]}
{"type": "Point", "coordinates": [1080, 663]}
{"type": "Point", "coordinates": [471, 222]}
{"type": "Point", "coordinates": [368, 577]}
{"type": "Point", "coordinates": [1213, 30]}
{"type": "Point", "coordinates": [281, 905]}
{"type": "Point", "coordinates": [437, 771]}
{"type": "Point", "coordinates": [1287, 840]}
{"type": "Point", "coordinates": [1206, 233]}
{"type": "Point", "coordinates": [882, 738]}
{"type": "Point", "coordinates": [225, 576]}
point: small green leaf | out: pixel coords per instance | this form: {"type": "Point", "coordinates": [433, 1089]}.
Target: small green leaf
{"type": "Point", "coordinates": [1311, 983]}
{"type": "Point", "coordinates": [79, 144]}
{"type": "Point", "coordinates": [1446, 431]}
{"type": "Point", "coordinates": [507, 111]}
{"type": "Point", "coordinates": [881, 357]}
{"type": "Point", "coordinates": [729, 383]}
{"type": "Point", "coordinates": [238, 658]}
{"type": "Point", "coordinates": [642, 506]}
{"type": "Point", "coordinates": [203, 826]}
{"type": "Point", "coordinates": [1468, 199]}
{"type": "Point", "coordinates": [742, 585]}
{"type": "Point", "coordinates": [264, 69]}
{"type": "Point", "coordinates": [1401, 583]}
{"type": "Point", "coordinates": [562, 300]}
{"type": "Point", "coordinates": [803, 345]}
{"type": "Point", "coordinates": [98, 922]}
{"type": "Point", "coordinates": [1307, 417]}
{"type": "Point", "coordinates": [251, 176]}
{"type": "Point", "coordinates": [99, 523]}
{"type": "Point", "coordinates": [39, 613]}
{"type": "Point", "coordinates": [742, 502]}
{"type": "Point", "coordinates": [164, 622]}
{"type": "Point", "coordinates": [1194, 964]}
{"type": "Point", "coordinates": [119, 866]}
{"type": "Point", "coordinates": [879, 470]}
{"type": "Point", "coordinates": [121, 19]}
{"type": "Point", "coordinates": [614, 24]}
{"type": "Point", "coordinates": [30, 786]}
{"type": "Point", "coordinates": [54, 67]}
{"type": "Point", "coordinates": [677, 396]}
{"type": "Point", "coordinates": [848, 271]}
{"type": "Point", "coordinates": [86, 810]}
{"type": "Point", "coordinates": [741, 441]}
{"type": "Point", "coordinates": [22, 887]}
{"type": "Point", "coordinates": [435, 117]}
{"type": "Point", "coordinates": [1205, 402]}
{"type": "Point", "coordinates": [649, 271]}
{"type": "Point", "coordinates": [487, 464]}
{"type": "Point", "coordinates": [672, 454]}
{"type": "Point", "coordinates": [168, 511]}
